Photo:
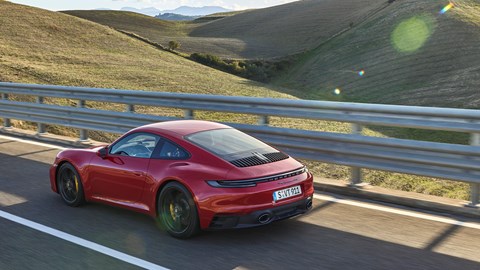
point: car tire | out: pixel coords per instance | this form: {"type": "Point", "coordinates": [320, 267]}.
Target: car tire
{"type": "Point", "coordinates": [70, 186]}
{"type": "Point", "coordinates": [177, 211]}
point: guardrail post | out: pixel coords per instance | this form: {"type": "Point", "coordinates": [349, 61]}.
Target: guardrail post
{"type": "Point", "coordinates": [474, 187]}
{"type": "Point", "coordinates": [188, 114]}
{"type": "Point", "coordinates": [356, 172]}
{"type": "Point", "coordinates": [83, 132]}
{"type": "Point", "coordinates": [263, 120]}
{"type": "Point", "coordinates": [40, 126]}
{"type": "Point", "coordinates": [6, 121]}
{"type": "Point", "coordinates": [130, 108]}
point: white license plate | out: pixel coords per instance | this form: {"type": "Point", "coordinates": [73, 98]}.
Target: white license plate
{"type": "Point", "coordinates": [286, 193]}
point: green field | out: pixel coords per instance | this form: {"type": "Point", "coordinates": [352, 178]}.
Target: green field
{"type": "Point", "coordinates": [38, 46]}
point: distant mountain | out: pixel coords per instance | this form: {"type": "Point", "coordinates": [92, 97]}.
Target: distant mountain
{"type": "Point", "coordinates": [150, 11]}
{"type": "Point", "coordinates": [196, 11]}
{"type": "Point", "coordinates": [176, 17]}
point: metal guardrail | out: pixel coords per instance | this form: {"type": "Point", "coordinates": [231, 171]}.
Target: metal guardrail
{"type": "Point", "coordinates": [441, 160]}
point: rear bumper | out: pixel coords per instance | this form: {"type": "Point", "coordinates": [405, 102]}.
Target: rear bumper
{"type": "Point", "coordinates": [224, 208]}
{"type": "Point", "coordinates": [261, 217]}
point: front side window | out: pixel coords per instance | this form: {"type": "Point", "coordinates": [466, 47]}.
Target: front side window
{"type": "Point", "coordinates": [136, 145]}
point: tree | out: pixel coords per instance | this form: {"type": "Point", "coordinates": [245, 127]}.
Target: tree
{"type": "Point", "coordinates": [173, 45]}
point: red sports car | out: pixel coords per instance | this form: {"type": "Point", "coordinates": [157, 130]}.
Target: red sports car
{"type": "Point", "coordinates": [188, 174]}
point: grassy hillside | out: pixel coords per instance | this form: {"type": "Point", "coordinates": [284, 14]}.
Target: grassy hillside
{"type": "Point", "coordinates": [410, 53]}
{"type": "Point", "coordinates": [290, 28]}
{"type": "Point", "coordinates": [263, 33]}
{"type": "Point", "coordinates": [220, 15]}
{"type": "Point", "coordinates": [143, 25]}
{"type": "Point", "coordinates": [39, 46]}
{"type": "Point", "coordinates": [467, 11]}
{"type": "Point", "coordinates": [162, 32]}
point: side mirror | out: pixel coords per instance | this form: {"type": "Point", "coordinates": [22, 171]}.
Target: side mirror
{"type": "Point", "coordinates": [103, 152]}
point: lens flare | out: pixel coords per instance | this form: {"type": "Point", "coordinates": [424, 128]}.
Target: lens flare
{"type": "Point", "coordinates": [361, 73]}
{"type": "Point", "coordinates": [446, 8]}
{"type": "Point", "coordinates": [337, 91]}
{"type": "Point", "coordinates": [411, 34]}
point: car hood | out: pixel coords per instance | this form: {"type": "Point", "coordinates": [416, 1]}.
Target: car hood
{"type": "Point", "coordinates": [96, 147]}
{"type": "Point", "coordinates": [72, 151]}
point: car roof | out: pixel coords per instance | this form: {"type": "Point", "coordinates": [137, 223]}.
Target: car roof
{"type": "Point", "coordinates": [181, 127]}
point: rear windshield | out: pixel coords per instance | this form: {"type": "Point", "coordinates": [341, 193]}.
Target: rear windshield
{"type": "Point", "coordinates": [229, 144]}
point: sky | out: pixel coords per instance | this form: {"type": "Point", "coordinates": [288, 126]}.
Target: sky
{"type": "Point", "coordinates": [56, 5]}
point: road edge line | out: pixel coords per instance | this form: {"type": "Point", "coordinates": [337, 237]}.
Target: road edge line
{"type": "Point", "coordinates": [82, 242]}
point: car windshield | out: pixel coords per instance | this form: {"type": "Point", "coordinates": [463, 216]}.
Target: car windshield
{"type": "Point", "coordinates": [229, 144]}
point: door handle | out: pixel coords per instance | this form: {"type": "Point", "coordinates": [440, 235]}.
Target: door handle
{"type": "Point", "coordinates": [138, 173]}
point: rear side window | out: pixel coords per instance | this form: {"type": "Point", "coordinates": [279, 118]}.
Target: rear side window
{"type": "Point", "coordinates": [170, 150]}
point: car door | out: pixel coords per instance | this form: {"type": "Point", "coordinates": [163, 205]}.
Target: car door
{"type": "Point", "coordinates": [167, 155]}
{"type": "Point", "coordinates": [121, 175]}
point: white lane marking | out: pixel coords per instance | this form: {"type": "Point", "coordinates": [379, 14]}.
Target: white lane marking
{"type": "Point", "coordinates": [82, 242]}
{"type": "Point", "coordinates": [398, 211]}
{"type": "Point", "coordinates": [31, 142]}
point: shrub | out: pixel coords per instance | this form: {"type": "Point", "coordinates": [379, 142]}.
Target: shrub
{"type": "Point", "coordinates": [257, 70]}
{"type": "Point", "coordinates": [173, 45]}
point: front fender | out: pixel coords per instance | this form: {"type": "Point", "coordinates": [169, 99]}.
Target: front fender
{"type": "Point", "coordinates": [80, 159]}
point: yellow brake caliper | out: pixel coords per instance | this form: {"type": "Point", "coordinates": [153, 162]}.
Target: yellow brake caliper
{"type": "Point", "coordinates": [76, 183]}
{"type": "Point", "coordinates": [172, 211]}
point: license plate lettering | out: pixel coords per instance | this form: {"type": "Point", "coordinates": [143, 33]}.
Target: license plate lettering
{"type": "Point", "coordinates": [286, 193]}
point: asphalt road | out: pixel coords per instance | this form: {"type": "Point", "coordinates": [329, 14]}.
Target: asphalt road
{"type": "Point", "coordinates": [333, 236]}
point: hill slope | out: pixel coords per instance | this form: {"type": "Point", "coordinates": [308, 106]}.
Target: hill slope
{"type": "Point", "coordinates": [39, 46]}
{"type": "Point", "coordinates": [291, 28]}
{"type": "Point", "coordinates": [410, 53]}
{"type": "Point", "coordinates": [263, 33]}
{"type": "Point", "coordinates": [143, 25]}
{"type": "Point", "coordinates": [196, 11]}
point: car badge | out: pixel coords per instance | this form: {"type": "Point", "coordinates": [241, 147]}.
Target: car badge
{"type": "Point", "coordinates": [287, 182]}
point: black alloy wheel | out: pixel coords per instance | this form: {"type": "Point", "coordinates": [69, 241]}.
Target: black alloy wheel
{"type": "Point", "coordinates": [69, 185]}
{"type": "Point", "coordinates": [177, 211]}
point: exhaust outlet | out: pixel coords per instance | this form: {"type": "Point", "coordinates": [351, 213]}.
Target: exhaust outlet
{"type": "Point", "coordinates": [309, 205]}
{"type": "Point", "coordinates": [264, 218]}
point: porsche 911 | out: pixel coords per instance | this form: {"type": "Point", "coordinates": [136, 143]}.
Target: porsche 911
{"type": "Point", "coordinates": [189, 175]}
